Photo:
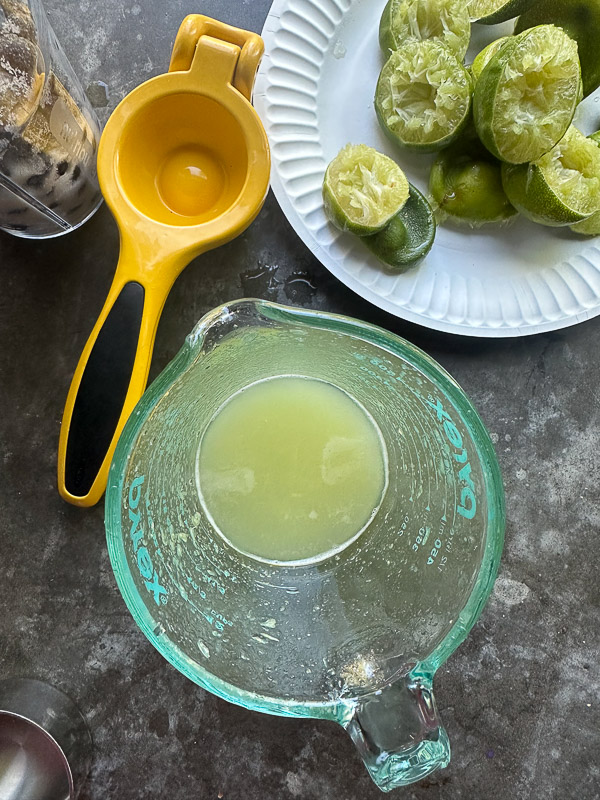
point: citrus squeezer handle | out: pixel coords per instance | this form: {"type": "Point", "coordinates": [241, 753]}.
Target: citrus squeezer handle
{"type": "Point", "coordinates": [113, 369]}
{"type": "Point", "coordinates": [398, 733]}
{"type": "Point", "coordinates": [109, 380]}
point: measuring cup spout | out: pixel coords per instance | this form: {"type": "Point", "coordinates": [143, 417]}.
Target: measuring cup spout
{"type": "Point", "coordinates": [113, 370]}
{"type": "Point", "coordinates": [398, 733]}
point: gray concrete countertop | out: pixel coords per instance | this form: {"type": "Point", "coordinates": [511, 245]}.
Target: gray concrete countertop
{"type": "Point", "coordinates": [520, 698]}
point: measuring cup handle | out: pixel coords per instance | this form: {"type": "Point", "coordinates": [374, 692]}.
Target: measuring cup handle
{"type": "Point", "coordinates": [109, 380]}
{"type": "Point", "coordinates": [398, 733]}
{"type": "Point", "coordinates": [196, 25]}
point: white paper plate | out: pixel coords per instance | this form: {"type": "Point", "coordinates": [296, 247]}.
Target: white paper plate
{"type": "Point", "coordinates": [314, 93]}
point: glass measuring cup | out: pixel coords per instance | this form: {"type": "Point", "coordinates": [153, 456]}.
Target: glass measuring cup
{"type": "Point", "coordinates": [358, 636]}
{"type": "Point", "coordinates": [48, 131]}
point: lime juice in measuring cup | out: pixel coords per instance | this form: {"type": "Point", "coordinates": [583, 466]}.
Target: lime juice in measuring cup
{"type": "Point", "coordinates": [291, 469]}
{"type": "Point", "coordinates": [305, 516]}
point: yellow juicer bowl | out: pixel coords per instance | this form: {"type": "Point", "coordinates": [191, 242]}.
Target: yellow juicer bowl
{"type": "Point", "coordinates": [184, 166]}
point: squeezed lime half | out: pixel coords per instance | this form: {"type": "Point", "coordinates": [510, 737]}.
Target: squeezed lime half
{"type": "Point", "coordinates": [408, 237]}
{"type": "Point", "coordinates": [489, 12]}
{"type": "Point", "coordinates": [465, 184]}
{"type": "Point", "coordinates": [446, 21]}
{"type": "Point", "coordinates": [591, 225]}
{"type": "Point", "coordinates": [485, 56]}
{"type": "Point", "coordinates": [363, 189]}
{"type": "Point", "coordinates": [526, 95]}
{"type": "Point", "coordinates": [563, 187]}
{"type": "Point", "coordinates": [581, 20]}
{"type": "Point", "coordinates": [423, 96]}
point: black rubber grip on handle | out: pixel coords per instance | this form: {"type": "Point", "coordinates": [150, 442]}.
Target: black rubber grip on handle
{"type": "Point", "coordinates": [103, 390]}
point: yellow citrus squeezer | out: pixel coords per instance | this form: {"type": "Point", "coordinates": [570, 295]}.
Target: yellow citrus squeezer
{"type": "Point", "coordinates": [184, 166]}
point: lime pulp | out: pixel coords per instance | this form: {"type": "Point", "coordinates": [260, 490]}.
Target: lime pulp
{"type": "Point", "coordinates": [446, 21]}
{"type": "Point", "coordinates": [563, 187]}
{"type": "Point", "coordinates": [423, 96]}
{"type": "Point", "coordinates": [580, 19]}
{"type": "Point", "coordinates": [363, 189]}
{"type": "Point", "coordinates": [526, 95]}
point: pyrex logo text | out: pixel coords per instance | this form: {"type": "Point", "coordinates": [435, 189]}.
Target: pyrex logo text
{"type": "Point", "coordinates": [144, 561]}
{"type": "Point", "coordinates": [468, 503]}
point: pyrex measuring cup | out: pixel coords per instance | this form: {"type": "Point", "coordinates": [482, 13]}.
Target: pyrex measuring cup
{"type": "Point", "coordinates": [184, 166]}
{"type": "Point", "coordinates": [358, 636]}
{"type": "Point", "coordinates": [48, 131]}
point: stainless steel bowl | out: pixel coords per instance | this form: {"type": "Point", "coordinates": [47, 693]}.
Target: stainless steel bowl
{"type": "Point", "coordinates": [45, 743]}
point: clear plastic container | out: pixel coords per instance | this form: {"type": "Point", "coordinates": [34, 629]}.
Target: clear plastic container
{"type": "Point", "coordinates": [48, 131]}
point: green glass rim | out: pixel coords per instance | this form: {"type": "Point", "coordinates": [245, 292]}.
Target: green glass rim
{"type": "Point", "coordinates": [330, 709]}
